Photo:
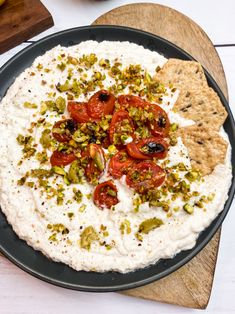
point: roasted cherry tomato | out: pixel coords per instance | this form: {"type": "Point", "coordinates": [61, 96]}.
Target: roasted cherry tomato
{"type": "Point", "coordinates": [120, 164]}
{"type": "Point", "coordinates": [121, 127]}
{"type": "Point", "coordinates": [63, 130]}
{"type": "Point", "coordinates": [62, 158]}
{"type": "Point", "coordinates": [130, 101]}
{"type": "Point", "coordinates": [105, 195]}
{"type": "Point", "coordinates": [95, 162]}
{"type": "Point", "coordinates": [148, 148]}
{"type": "Point", "coordinates": [144, 176]}
{"type": "Point", "coordinates": [101, 104]}
{"type": "Point", "coordinates": [160, 125]}
{"type": "Point", "coordinates": [78, 111]}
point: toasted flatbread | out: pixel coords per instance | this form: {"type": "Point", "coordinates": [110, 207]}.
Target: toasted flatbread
{"type": "Point", "coordinates": [183, 75]}
{"type": "Point", "coordinates": [206, 147]}
{"type": "Point", "coordinates": [203, 106]}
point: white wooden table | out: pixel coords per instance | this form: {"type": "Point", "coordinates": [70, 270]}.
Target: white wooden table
{"type": "Point", "coordinates": [22, 293]}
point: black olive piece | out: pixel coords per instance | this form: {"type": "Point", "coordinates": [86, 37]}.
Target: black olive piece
{"type": "Point", "coordinates": [161, 122]}
{"type": "Point", "coordinates": [103, 97]}
{"type": "Point", "coordinates": [92, 139]}
{"type": "Point", "coordinates": [71, 125]}
{"type": "Point", "coordinates": [155, 148]}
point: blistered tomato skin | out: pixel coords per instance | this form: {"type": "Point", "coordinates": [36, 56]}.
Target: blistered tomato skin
{"type": "Point", "coordinates": [154, 147]}
{"type": "Point", "coordinates": [105, 195]}
{"type": "Point", "coordinates": [160, 125]}
{"type": "Point", "coordinates": [61, 158]}
{"type": "Point", "coordinates": [120, 164]}
{"type": "Point", "coordinates": [127, 101]}
{"type": "Point", "coordinates": [121, 124]}
{"type": "Point", "coordinates": [78, 111]}
{"type": "Point", "coordinates": [144, 176]}
{"type": "Point", "coordinates": [100, 104]}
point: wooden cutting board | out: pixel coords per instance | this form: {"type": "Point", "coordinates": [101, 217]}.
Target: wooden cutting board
{"type": "Point", "coordinates": [21, 20]}
{"type": "Point", "coordinates": [191, 285]}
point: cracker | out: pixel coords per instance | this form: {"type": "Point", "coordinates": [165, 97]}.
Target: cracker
{"type": "Point", "coordinates": [183, 75]}
{"type": "Point", "coordinates": [203, 106]}
{"type": "Point", "coordinates": [206, 147]}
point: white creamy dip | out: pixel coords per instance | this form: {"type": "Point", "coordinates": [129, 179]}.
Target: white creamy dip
{"type": "Point", "coordinates": [29, 211]}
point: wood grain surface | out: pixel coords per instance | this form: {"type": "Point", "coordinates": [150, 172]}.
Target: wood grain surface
{"type": "Point", "coordinates": [21, 20]}
{"type": "Point", "coordinates": [191, 285]}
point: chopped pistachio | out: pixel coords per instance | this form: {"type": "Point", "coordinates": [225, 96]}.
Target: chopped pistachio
{"type": "Point", "coordinates": [112, 149]}
{"type": "Point", "coordinates": [21, 181]}
{"type": "Point", "coordinates": [136, 203]}
{"type": "Point", "coordinates": [43, 109]}
{"type": "Point", "coordinates": [60, 104]}
{"type": "Point", "coordinates": [70, 215]}
{"type": "Point", "coordinates": [30, 105]}
{"type": "Point", "coordinates": [174, 127]}
{"type": "Point", "coordinates": [138, 236]}
{"type": "Point", "coordinates": [181, 166]}
{"type": "Point", "coordinates": [173, 141]}
{"type": "Point", "coordinates": [64, 87]}
{"type": "Point", "coordinates": [211, 197]}
{"type": "Point", "coordinates": [42, 157]}
{"type": "Point", "coordinates": [87, 237]}
{"type": "Point", "coordinates": [150, 224]}
{"type": "Point", "coordinates": [58, 228]}
{"type": "Point", "coordinates": [41, 173]}
{"type": "Point", "coordinates": [76, 172]}
{"type": "Point", "coordinates": [111, 192]}
{"type": "Point", "coordinates": [82, 208]}
{"type": "Point", "coordinates": [188, 208]}
{"type": "Point", "coordinates": [61, 66]}
{"type": "Point", "coordinates": [59, 170]}
{"type": "Point", "coordinates": [46, 138]}
{"type": "Point", "coordinates": [125, 227]}
{"type": "Point", "coordinates": [192, 175]}
{"type": "Point", "coordinates": [24, 140]}
{"type": "Point", "coordinates": [77, 195]}
{"type": "Point", "coordinates": [98, 160]}
{"type": "Point", "coordinates": [53, 237]}
{"type": "Point", "coordinates": [199, 204]}
{"type": "Point", "coordinates": [72, 60]}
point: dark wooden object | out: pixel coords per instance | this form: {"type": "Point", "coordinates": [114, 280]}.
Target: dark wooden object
{"type": "Point", "coordinates": [21, 20]}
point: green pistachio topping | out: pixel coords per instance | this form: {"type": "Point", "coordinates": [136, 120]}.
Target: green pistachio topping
{"type": "Point", "coordinates": [188, 208]}
{"type": "Point", "coordinates": [150, 224]}
{"type": "Point", "coordinates": [125, 227]}
{"type": "Point", "coordinates": [30, 105]}
{"type": "Point", "coordinates": [87, 237]}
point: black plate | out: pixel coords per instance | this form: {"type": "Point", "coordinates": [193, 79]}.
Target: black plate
{"type": "Point", "coordinates": [59, 274]}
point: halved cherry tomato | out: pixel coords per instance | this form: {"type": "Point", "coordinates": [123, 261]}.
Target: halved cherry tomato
{"type": "Point", "coordinates": [120, 164]}
{"type": "Point", "coordinates": [101, 104]}
{"type": "Point", "coordinates": [148, 148]}
{"type": "Point", "coordinates": [63, 130]}
{"type": "Point", "coordinates": [160, 125]}
{"type": "Point", "coordinates": [144, 176]}
{"type": "Point", "coordinates": [121, 125]}
{"type": "Point", "coordinates": [130, 101]}
{"type": "Point", "coordinates": [62, 158]}
{"type": "Point", "coordinates": [78, 111]}
{"type": "Point", "coordinates": [105, 195]}
{"type": "Point", "coordinates": [96, 162]}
